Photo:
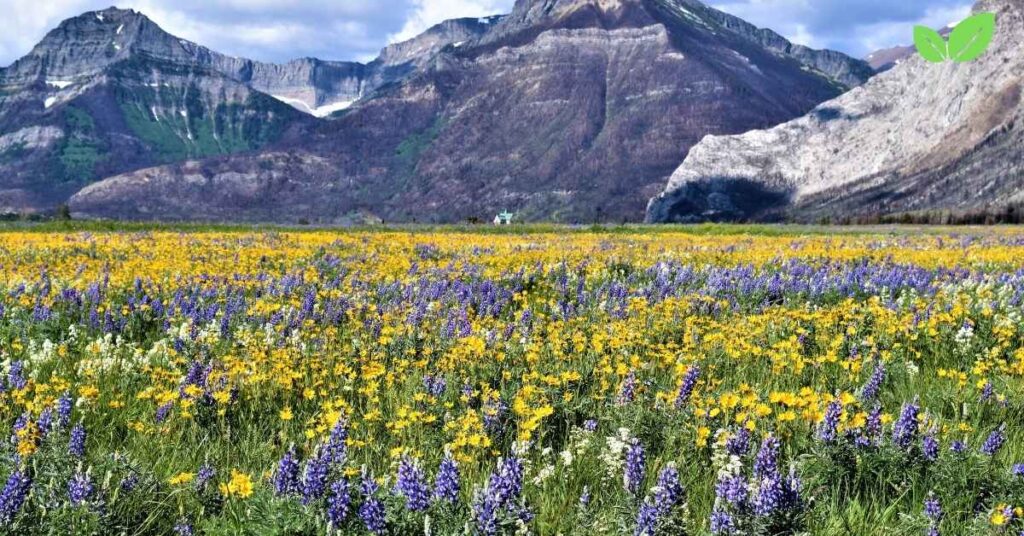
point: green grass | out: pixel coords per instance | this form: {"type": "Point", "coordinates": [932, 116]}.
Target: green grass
{"type": "Point", "coordinates": [703, 229]}
{"type": "Point", "coordinates": [201, 131]}
{"type": "Point", "coordinates": [375, 360]}
{"type": "Point", "coordinates": [80, 151]}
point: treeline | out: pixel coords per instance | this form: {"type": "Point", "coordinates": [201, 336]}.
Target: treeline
{"type": "Point", "coordinates": [61, 213]}
{"type": "Point", "coordinates": [1003, 215]}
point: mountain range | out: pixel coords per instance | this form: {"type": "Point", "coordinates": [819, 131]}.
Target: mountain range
{"type": "Point", "coordinates": [921, 141]}
{"type": "Point", "coordinates": [563, 110]}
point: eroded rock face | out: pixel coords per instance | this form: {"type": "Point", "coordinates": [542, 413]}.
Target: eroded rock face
{"type": "Point", "coordinates": [566, 110]}
{"type": "Point", "coordinates": [918, 137]}
{"type": "Point", "coordinates": [323, 87]}
{"type": "Point", "coordinates": [109, 92]}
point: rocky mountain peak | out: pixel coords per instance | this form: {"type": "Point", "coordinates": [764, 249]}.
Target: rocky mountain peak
{"type": "Point", "coordinates": [87, 44]}
{"type": "Point", "coordinates": [450, 32]}
{"type": "Point", "coordinates": [919, 137]}
{"type": "Point", "coordinates": [540, 8]}
{"type": "Point", "coordinates": [690, 18]}
{"type": "Point", "coordinates": [570, 110]}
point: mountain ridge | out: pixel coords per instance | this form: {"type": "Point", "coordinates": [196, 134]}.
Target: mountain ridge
{"type": "Point", "coordinates": [564, 110]}
{"type": "Point", "coordinates": [919, 137]}
{"type": "Point", "coordinates": [570, 110]}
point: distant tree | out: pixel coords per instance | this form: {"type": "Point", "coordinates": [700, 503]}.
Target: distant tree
{"type": "Point", "coordinates": [63, 212]}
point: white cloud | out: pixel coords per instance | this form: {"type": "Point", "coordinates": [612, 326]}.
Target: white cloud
{"type": "Point", "coordinates": [25, 22]}
{"type": "Point", "coordinates": [273, 30]}
{"type": "Point", "coordinates": [802, 36]}
{"type": "Point", "coordinates": [885, 35]}
{"type": "Point", "coordinates": [427, 13]}
{"type": "Point", "coordinates": [855, 27]}
{"type": "Point", "coordinates": [279, 30]}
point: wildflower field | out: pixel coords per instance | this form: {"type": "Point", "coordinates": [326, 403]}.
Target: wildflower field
{"type": "Point", "coordinates": [565, 382]}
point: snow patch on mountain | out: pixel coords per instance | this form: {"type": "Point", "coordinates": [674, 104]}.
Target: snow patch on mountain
{"type": "Point", "coordinates": [318, 111]}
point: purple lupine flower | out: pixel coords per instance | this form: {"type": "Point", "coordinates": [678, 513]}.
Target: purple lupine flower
{"type": "Point", "coordinates": [485, 513]}
{"type": "Point", "coordinates": [13, 495]}
{"type": "Point", "coordinates": [633, 475]}
{"type": "Point", "coordinates": [722, 523]}
{"type": "Point", "coordinates": [986, 392]}
{"type": "Point", "coordinates": [371, 512]}
{"type": "Point", "coordinates": [995, 441]}
{"type": "Point", "coordinates": [446, 485]}
{"type": "Point", "coordinates": [64, 410]}
{"type": "Point", "coordinates": [16, 375]}
{"type": "Point", "coordinates": [183, 528]}
{"type": "Point", "coordinates": [162, 412]}
{"type": "Point", "coordinates": [45, 422]}
{"type": "Point", "coordinates": [732, 489]}
{"type": "Point", "coordinates": [129, 482]}
{"type": "Point", "coordinates": [336, 448]}
{"type": "Point", "coordinates": [412, 485]}
{"type": "Point", "coordinates": [646, 520]}
{"type": "Point", "coordinates": [627, 392]}
{"type": "Point", "coordinates": [80, 488]}
{"type": "Point", "coordinates": [958, 446]}
{"type": "Point", "coordinates": [905, 430]}
{"type": "Point", "coordinates": [669, 491]}
{"type": "Point", "coordinates": [585, 497]}
{"type": "Point", "coordinates": [590, 425]}
{"type": "Point", "coordinates": [767, 461]}
{"type": "Point", "coordinates": [930, 446]}
{"type": "Point", "coordinates": [196, 375]}
{"type": "Point", "coordinates": [770, 496]}
{"type": "Point", "coordinates": [932, 512]}
{"type": "Point", "coordinates": [933, 509]}
{"type": "Point", "coordinates": [434, 385]}
{"type": "Point", "coordinates": [829, 426]}
{"type": "Point", "coordinates": [76, 445]}
{"type": "Point", "coordinates": [205, 476]}
{"type": "Point", "coordinates": [873, 427]}
{"type": "Point", "coordinates": [493, 411]}
{"type": "Point", "coordinates": [791, 492]}
{"type": "Point", "coordinates": [338, 503]}
{"type": "Point", "coordinates": [874, 384]}
{"type": "Point", "coordinates": [507, 483]}
{"type": "Point", "coordinates": [1017, 470]}
{"type": "Point", "coordinates": [862, 441]}
{"type": "Point", "coordinates": [19, 423]}
{"type": "Point", "coordinates": [688, 385]}
{"type": "Point", "coordinates": [666, 495]}
{"type": "Point", "coordinates": [286, 478]}
{"type": "Point", "coordinates": [501, 496]}
{"type": "Point", "coordinates": [314, 478]}
{"type": "Point", "coordinates": [738, 443]}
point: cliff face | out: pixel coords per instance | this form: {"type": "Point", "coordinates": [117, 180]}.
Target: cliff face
{"type": "Point", "coordinates": [568, 110]}
{"type": "Point", "coordinates": [322, 88]}
{"type": "Point", "coordinates": [110, 91]}
{"type": "Point", "coordinates": [919, 137]}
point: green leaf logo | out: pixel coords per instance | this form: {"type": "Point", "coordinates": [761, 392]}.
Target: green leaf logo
{"type": "Point", "coordinates": [930, 44]}
{"type": "Point", "coordinates": [968, 41]}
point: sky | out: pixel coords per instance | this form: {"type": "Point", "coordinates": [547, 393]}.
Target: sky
{"type": "Point", "coordinates": [279, 30]}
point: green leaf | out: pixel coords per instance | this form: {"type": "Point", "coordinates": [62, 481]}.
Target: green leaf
{"type": "Point", "coordinates": [930, 44]}
{"type": "Point", "coordinates": [972, 37]}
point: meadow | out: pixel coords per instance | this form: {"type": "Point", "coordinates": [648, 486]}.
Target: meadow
{"type": "Point", "coordinates": [549, 381]}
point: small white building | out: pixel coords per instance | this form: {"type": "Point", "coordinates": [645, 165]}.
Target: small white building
{"type": "Point", "coordinates": [505, 218]}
